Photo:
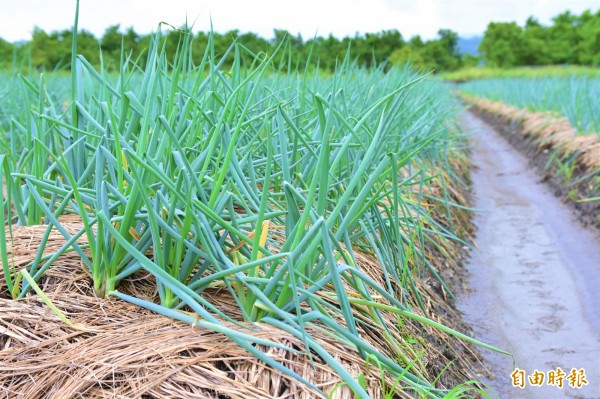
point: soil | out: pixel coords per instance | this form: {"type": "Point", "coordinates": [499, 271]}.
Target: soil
{"type": "Point", "coordinates": [534, 275]}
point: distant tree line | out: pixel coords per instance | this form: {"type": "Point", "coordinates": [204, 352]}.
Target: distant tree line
{"type": "Point", "coordinates": [52, 50]}
{"type": "Point", "coordinates": [570, 39]}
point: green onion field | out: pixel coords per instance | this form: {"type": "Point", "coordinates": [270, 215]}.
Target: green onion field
{"type": "Point", "coordinates": [265, 183]}
{"type": "Point", "coordinates": [577, 98]}
{"type": "Point", "coordinates": [298, 231]}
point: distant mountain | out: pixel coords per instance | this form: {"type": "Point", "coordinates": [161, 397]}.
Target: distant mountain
{"type": "Point", "coordinates": [468, 45]}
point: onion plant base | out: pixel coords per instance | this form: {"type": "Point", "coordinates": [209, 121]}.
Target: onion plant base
{"type": "Point", "coordinates": [124, 350]}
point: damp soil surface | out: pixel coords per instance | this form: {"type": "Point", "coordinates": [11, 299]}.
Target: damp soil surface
{"type": "Point", "coordinates": [534, 276]}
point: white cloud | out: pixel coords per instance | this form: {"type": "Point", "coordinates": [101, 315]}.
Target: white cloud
{"type": "Point", "coordinates": [339, 17]}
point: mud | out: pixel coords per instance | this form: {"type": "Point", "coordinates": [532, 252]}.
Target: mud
{"type": "Point", "coordinates": [534, 278]}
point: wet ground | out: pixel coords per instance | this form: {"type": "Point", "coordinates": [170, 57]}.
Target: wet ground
{"type": "Point", "coordinates": [535, 277]}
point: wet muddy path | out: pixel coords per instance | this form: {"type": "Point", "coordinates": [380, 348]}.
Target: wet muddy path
{"type": "Point", "coordinates": [535, 276]}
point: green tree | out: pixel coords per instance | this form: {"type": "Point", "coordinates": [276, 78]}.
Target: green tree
{"type": "Point", "coordinates": [409, 54]}
{"type": "Point", "coordinates": [571, 39]}
{"type": "Point", "coordinates": [110, 43]}
{"type": "Point", "coordinates": [6, 53]}
{"type": "Point", "coordinates": [500, 43]}
{"type": "Point", "coordinates": [45, 49]}
{"type": "Point", "coordinates": [87, 45]}
{"type": "Point", "coordinates": [588, 47]}
{"type": "Point", "coordinates": [563, 39]}
{"type": "Point", "coordinates": [470, 60]}
{"type": "Point", "coordinates": [534, 45]}
{"type": "Point", "coordinates": [443, 53]}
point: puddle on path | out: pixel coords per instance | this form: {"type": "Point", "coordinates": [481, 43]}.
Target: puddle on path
{"type": "Point", "coordinates": [535, 276]}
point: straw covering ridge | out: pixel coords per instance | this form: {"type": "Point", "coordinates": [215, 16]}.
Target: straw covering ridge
{"type": "Point", "coordinates": [547, 129]}
{"type": "Point", "coordinates": [127, 351]}
{"type": "Point", "coordinates": [134, 353]}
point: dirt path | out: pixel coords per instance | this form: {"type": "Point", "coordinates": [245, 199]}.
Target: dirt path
{"type": "Point", "coordinates": [535, 276]}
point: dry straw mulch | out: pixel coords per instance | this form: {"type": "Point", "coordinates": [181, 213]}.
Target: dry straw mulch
{"type": "Point", "coordinates": [129, 352]}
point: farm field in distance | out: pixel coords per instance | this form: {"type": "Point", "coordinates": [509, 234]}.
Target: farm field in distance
{"type": "Point", "coordinates": [575, 97]}
{"type": "Point", "coordinates": [530, 72]}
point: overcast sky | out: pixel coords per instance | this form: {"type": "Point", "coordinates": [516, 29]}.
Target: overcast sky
{"type": "Point", "coordinates": [307, 17]}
